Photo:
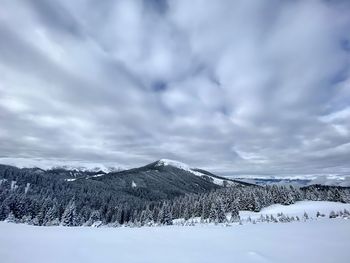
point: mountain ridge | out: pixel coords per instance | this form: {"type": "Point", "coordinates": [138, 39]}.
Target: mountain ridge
{"type": "Point", "coordinates": [162, 179]}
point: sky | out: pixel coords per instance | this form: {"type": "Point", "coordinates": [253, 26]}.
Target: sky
{"type": "Point", "coordinates": [236, 87]}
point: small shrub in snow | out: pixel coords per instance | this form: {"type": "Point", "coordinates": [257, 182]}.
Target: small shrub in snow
{"type": "Point", "coordinates": [261, 219]}
{"type": "Point", "coordinates": [54, 222]}
{"type": "Point", "coordinates": [273, 219]}
{"type": "Point", "coordinates": [318, 214]}
{"type": "Point", "coordinates": [283, 218]}
{"type": "Point", "coordinates": [97, 224]}
{"type": "Point", "coordinates": [10, 218]}
{"type": "Point", "coordinates": [332, 214]}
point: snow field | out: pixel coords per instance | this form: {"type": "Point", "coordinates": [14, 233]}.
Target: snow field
{"type": "Point", "coordinates": [322, 241]}
{"type": "Point", "coordinates": [311, 241]}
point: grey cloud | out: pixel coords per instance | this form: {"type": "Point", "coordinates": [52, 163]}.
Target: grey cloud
{"type": "Point", "coordinates": [237, 87]}
{"type": "Point", "coordinates": [55, 16]}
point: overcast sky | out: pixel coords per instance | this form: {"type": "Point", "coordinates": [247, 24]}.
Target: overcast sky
{"type": "Point", "coordinates": [236, 87]}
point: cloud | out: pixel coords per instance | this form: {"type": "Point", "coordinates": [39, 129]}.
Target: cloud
{"type": "Point", "coordinates": [243, 87]}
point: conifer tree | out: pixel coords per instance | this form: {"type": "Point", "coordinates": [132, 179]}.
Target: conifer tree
{"type": "Point", "coordinates": [69, 217]}
{"type": "Point", "coordinates": [221, 216]}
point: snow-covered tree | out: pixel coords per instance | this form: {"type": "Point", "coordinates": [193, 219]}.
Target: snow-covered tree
{"type": "Point", "coordinates": [10, 218]}
{"type": "Point", "coordinates": [69, 217]}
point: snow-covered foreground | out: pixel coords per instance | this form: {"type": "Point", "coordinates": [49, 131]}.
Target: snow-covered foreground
{"type": "Point", "coordinates": [312, 241]}
{"type": "Point", "coordinates": [322, 240]}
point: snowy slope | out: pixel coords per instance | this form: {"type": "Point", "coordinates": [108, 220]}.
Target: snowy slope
{"type": "Point", "coordinates": [179, 165]}
{"type": "Point", "coordinates": [298, 209]}
{"type": "Point", "coordinates": [324, 241]}
{"type": "Point", "coordinates": [87, 177]}
{"type": "Point", "coordinates": [214, 179]}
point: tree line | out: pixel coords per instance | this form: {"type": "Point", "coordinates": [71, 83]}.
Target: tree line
{"type": "Point", "coordinates": [53, 201]}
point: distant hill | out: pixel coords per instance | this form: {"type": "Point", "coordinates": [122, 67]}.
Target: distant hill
{"type": "Point", "coordinates": [300, 181]}
{"type": "Point", "coordinates": [162, 179]}
{"type": "Point", "coordinates": [159, 180]}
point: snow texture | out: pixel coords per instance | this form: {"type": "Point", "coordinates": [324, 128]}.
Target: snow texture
{"type": "Point", "coordinates": [26, 189]}
{"type": "Point", "coordinates": [312, 241]}
{"type": "Point", "coordinates": [71, 179]}
{"type": "Point", "coordinates": [133, 184]}
{"type": "Point", "coordinates": [179, 165]}
{"type": "Point", "coordinates": [87, 177]}
{"type": "Point", "coordinates": [14, 185]}
{"type": "Point", "coordinates": [2, 180]}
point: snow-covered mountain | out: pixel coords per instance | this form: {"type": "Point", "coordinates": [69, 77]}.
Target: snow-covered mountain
{"type": "Point", "coordinates": [218, 180]}
{"type": "Point", "coordinates": [164, 175]}
{"type": "Point", "coordinates": [164, 165]}
{"type": "Point", "coordinates": [74, 166]}
{"type": "Point", "coordinates": [331, 180]}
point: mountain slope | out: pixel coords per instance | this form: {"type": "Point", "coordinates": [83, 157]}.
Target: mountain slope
{"type": "Point", "coordinates": [166, 179]}
{"type": "Point", "coordinates": [157, 181]}
{"type": "Point", "coordinates": [163, 179]}
{"type": "Point", "coordinates": [203, 174]}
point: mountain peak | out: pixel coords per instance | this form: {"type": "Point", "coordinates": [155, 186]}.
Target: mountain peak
{"type": "Point", "coordinates": [218, 180]}
{"type": "Point", "coordinates": [177, 164]}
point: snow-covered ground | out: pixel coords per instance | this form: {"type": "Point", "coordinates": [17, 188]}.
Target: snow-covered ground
{"type": "Point", "coordinates": [311, 241]}
{"type": "Point", "coordinates": [323, 240]}
{"type": "Point", "coordinates": [298, 209]}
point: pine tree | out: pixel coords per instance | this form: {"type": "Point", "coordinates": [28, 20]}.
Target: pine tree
{"type": "Point", "coordinates": [168, 218]}
{"type": "Point", "coordinates": [27, 220]}
{"type": "Point", "coordinates": [161, 215]}
{"type": "Point", "coordinates": [186, 214]}
{"type": "Point", "coordinates": [10, 218]}
{"type": "Point", "coordinates": [4, 210]}
{"type": "Point", "coordinates": [95, 216]}
{"type": "Point", "coordinates": [257, 204]}
{"type": "Point", "coordinates": [205, 210]}
{"type": "Point", "coordinates": [69, 217]}
{"type": "Point", "coordinates": [147, 217]}
{"type": "Point", "coordinates": [332, 214]}
{"type": "Point", "coordinates": [40, 217]}
{"type": "Point", "coordinates": [235, 215]}
{"type": "Point", "coordinates": [212, 213]}
{"type": "Point", "coordinates": [221, 216]}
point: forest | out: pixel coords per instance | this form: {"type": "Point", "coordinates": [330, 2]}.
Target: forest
{"type": "Point", "coordinates": [29, 197]}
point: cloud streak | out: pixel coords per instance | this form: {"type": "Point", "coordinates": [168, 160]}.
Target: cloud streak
{"type": "Point", "coordinates": [243, 87]}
